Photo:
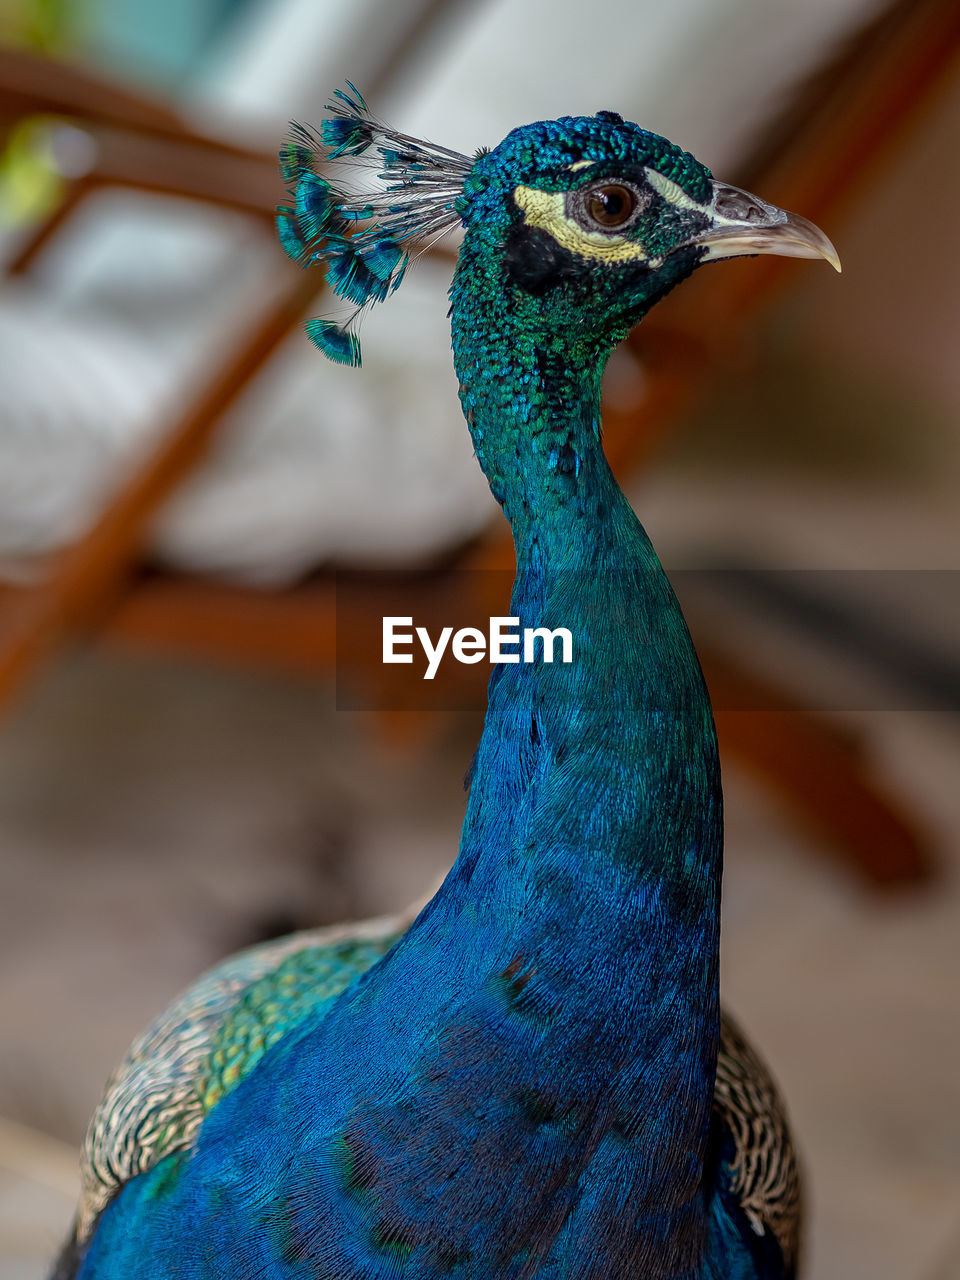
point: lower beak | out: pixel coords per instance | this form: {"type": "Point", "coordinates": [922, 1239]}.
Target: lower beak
{"type": "Point", "coordinates": [743, 224]}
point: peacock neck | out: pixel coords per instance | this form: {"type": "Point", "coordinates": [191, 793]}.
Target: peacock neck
{"type": "Point", "coordinates": [591, 849]}
{"type": "Point", "coordinates": [532, 405]}
{"type": "Point", "coordinates": [634, 695]}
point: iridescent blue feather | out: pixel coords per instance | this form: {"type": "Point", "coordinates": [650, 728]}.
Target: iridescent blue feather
{"type": "Point", "coordinates": [382, 258]}
{"type": "Point", "coordinates": [349, 278]}
{"type": "Point", "coordinates": [295, 160]}
{"type": "Point", "coordinates": [315, 209]}
{"type": "Point", "coordinates": [364, 239]}
{"type": "Point", "coordinates": [337, 344]}
{"type": "Point", "coordinates": [289, 235]}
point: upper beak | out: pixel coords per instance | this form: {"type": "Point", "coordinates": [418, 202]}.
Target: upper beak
{"type": "Point", "coordinates": [745, 224]}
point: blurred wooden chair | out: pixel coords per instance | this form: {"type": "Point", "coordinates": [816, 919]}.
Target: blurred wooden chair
{"type": "Point", "coordinates": [815, 158]}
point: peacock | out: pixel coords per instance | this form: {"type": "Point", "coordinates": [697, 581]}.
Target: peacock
{"type": "Point", "coordinates": [532, 1077]}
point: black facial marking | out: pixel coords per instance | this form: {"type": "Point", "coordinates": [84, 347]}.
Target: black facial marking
{"type": "Point", "coordinates": [534, 261]}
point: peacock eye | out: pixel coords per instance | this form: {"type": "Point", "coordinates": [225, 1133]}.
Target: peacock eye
{"type": "Point", "coordinates": [608, 206]}
{"type": "Point", "coordinates": [611, 206]}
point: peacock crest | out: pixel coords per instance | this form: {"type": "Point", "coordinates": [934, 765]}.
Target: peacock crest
{"type": "Point", "coordinates": [390, 194]}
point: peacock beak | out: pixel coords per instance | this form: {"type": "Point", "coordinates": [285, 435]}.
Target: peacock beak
{"type": "Point", "coordinates": [744, 224]}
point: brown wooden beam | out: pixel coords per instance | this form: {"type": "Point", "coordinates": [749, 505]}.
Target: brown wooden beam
{"type": "Point", "coordinates": [84, 579]}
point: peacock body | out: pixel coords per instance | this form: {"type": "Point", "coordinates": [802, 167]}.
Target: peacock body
{"type": "Point", "coordinates": [533, 1078]}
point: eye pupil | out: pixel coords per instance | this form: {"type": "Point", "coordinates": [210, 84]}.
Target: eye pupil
{"type": "Point", "coordinates": [611, 206]}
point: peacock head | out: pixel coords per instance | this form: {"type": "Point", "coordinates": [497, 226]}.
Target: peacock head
{"type": "Point", "coordinates": [579, 224]}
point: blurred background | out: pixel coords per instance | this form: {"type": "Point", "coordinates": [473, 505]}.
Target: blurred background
{"type": "Point", "coordinates": [184, 481]}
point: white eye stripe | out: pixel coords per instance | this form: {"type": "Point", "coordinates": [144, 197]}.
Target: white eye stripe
{"type": "Point", "coordinates": [673, 192]}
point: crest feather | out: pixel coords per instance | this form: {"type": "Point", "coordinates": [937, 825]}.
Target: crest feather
{"type": "Point", "coordinates": [364, 236]}
{"type": "Point", "coordinates": [336, 343]}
